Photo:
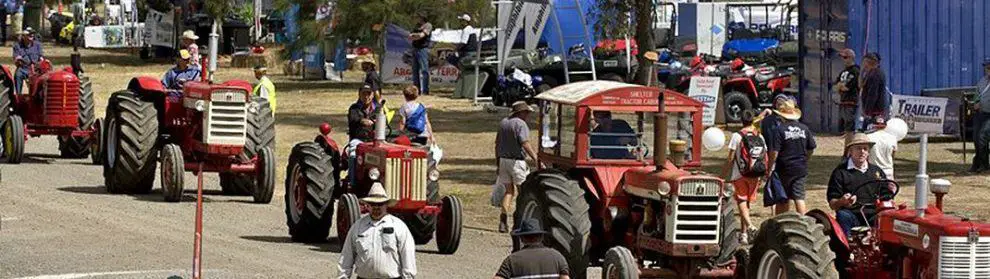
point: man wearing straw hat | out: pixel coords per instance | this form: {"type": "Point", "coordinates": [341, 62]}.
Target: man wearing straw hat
{"type": "Point", "coordinates": [379, 245]}
{"type": "Point", "coordinates": [793, 144]}
{"type": "Point", "coordinates": [265, 88]}
{"type": "Point", "coordinates": [533, 260]}
{"type": "Point", "coordinates": [189, 43]}
{"type": "Point", "coordinates": [845, 185]}
{"type": "Point", "coordinates": [511, 147]}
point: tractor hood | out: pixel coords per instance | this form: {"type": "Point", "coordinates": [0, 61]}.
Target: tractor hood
{"type": "Point", "coordinates": [903, 226]}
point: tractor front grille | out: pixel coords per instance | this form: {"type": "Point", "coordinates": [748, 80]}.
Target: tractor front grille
{"type": "Point", "coordinates": [61, 97]}
{"type": "Point", "coordinates": [227, 122]}
{"type": "Point", "coordinates": [959, 258]}
{"type": "Point", "coordinates": [405, 178]}
{"type": "Point", "coordinates": [695, 214]}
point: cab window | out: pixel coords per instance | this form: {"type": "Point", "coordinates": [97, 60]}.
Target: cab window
{"type": "Point", "coordinates": [616, 135]}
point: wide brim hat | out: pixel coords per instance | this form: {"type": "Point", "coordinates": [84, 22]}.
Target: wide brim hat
{"type": "Point", "coordinates": [788, 110]}
{"type": "Point", "coordinates": [858, 139]}
{"type": "Point", "coordinates": [377, 194]}
{"type": "Point", "coordinates": [521, 106]}
{"type": "Point", "coordinates": [189, 34]}
{"type": "Point", "coordinates": [528, 227]}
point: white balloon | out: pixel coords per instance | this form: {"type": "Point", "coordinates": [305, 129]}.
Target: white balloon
{"type": "Point", "coordinates": [897, 127]}
{"type": "Point", "coordinates": [713, 139]}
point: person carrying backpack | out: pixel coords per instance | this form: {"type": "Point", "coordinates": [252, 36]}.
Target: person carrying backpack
{"type": "Point", "coordinates": [748, 163]}
{"type": "Point", "coordinates": [414, 119]}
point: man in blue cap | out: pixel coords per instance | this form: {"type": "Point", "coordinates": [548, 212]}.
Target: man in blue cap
{"type": "Point", "coordinates": [981, 133]}
{"type": "Point", "coordinates": [533, 260]}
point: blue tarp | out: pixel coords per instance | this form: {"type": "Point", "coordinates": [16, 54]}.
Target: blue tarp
{"type": "Point", "coordinates": [570, 25]}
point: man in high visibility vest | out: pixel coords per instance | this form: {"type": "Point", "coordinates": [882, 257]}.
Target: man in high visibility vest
{"type": "Point", "coordinates": [265, 88]}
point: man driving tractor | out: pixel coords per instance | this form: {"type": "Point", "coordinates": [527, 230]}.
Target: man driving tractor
{"type": "Point", "coordinates": [611, 137]}
{"type": "Point", "coordinates": [174, 78]}
{"type": "Point", "coordinates": [849, 188]}
{"type": "Point", "coordinates": [27, 54]}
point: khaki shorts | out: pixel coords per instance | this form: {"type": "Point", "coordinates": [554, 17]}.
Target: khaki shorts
{"type": "Point", "coordinates": [511, 171]}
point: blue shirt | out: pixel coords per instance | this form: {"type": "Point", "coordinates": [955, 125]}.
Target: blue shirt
{"type": "Point", "coordinates": [13, 6]}
{"type": "Point", "coordinates": [30, 54]}
{"type": "Point", "coordinates": [173, 76]}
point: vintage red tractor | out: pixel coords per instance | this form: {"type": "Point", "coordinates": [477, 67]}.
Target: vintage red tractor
{"type": "Point", "coordinates": [55, 102]}
{"type": "Point", "coordinates": [205, 127]}
{"type": "Point", "coordinates": [904, 242]}
{"type": "Point", "coordinates": [610, 195]}
{"type": "Point", "coordinates": [315, 179]}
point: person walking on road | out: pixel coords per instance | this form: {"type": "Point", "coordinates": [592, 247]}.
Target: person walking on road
{"type": "Point", "coordinates": [379, 245]}
{"type": "Point", "coordinates": [265, 88]}
{"type": "Point", "coordinates": [794, 145]}
{"type": "Point", "coordinates": [15, 8]}
{"type": "Point", "coordinates": [981, 162]}
{"type": "Point", "coordinates": [421, 53]}
{"type": "Point", "coordinates": [873, 89]}
{"type": "Point", "coordinates": [748, 163]}
{"type": "Point", "coordinates": [511, 148]}
{"type": "Point", "coordinates": [848, 88]}
{"type": "Point", "coordinates": [533, 260]}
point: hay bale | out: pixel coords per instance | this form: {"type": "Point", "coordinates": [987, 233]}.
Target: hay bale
{"type": "Point", "coordinates": [248, 60]}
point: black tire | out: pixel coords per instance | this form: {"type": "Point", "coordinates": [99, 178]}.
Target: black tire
{"type": "Point", "coordinates": [6, 100]}
{"type": "Point", "coordinates": [130, 150]}
{"type": "Point", "coordinates": [309, 187]}
{"type": "Point", "coordinates": [800, 246]}
{"type": "Point", "coordinates": [265, 176]}
{"type": "Point", "coordinates": [612, 77]}
{"type": "Point", "coordinates": [735, 104]}
{"type": "Point", "coordinates": [449, 225]}
{"type": "Point", "coordinates": [96, 142]}
{"type": "Point", "coordinates": [79, 147]}
{"type": "Point", "coordinates": [172, 172]}
{"type": "Point", "coordinates": [498, 97]}
{"type": "Point", "coordinates": [260, 134]}
{"type": "Point", "coordinates": [559, 204]}
{"type": "Point", "coordinates": [729, 235]}
{"type": "Point", "coordinates": [348, 212]}
{"type": "Point", "coordinates": [422, 226]}
{"type": "Point", "coordinates": [13, 134]}
{"type": "Point", "coordinates": [620, 263]}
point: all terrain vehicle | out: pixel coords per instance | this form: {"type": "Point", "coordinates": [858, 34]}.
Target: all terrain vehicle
{"type": "Point", "coordinates": [54, 102]}
{"type": "Point", "coordinates": [205, 127]}
{"type": "Point", "coordinates": [606, 201]}
{"type": "Point", "coordinates": [753, 89]}
{"type": "Point", "coordinates": [316, 177]}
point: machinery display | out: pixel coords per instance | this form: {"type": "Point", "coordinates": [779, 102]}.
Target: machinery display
{"type": "Point", "coordinates": [317, 177]}
{"type": "Point", "coordinates": [205, 127]}
{"type": "Point", "coordinates": [54, 102]}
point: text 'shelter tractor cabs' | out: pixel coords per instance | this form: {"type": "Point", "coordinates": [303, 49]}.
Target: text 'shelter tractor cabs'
{"type": "Point", "coordinates": [205, 127]}
{"type": "Point", "coordinates": [621, 188]}
{"type": "Point", "coordinates": [409, 174]}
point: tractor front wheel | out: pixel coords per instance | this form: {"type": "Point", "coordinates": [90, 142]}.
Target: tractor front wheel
{"type": "Point", "coordinates": [132, 133]}
{"type": "Point", "coordinates": [96, 142]}
{"type": "Point", "coordinates": [264, 176]}
{"type": "Point", "coordinates": [449, 225]}
{"type": "Point", "coordinates": [309, 186]}
{"type": "Point", "coordinates": [79, 147]}
{"type": "Point", "coordinates": [260, 134]}
{"type": "Point", "coordinates": [620, 264]}
{"type": "Point", "coordinates": [13, 135]}
{"type": "Point", "coordinates": [348, 212]}
{"type": "Point", "coordinates": [558, 203]}
{"type": "Point", "coordinates": [173, 170]}
{"type": "Point", "coordinates": [729, 238]}
{"type": "Point", "coordinates": [793, 246]}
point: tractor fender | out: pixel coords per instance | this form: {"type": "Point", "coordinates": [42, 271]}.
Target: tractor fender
{"type": "Point", "coordinates": [240, 83]}
{"type": "Point", "coordinates": [146, 84]}
{"type": "Point", "coordinates": [8, 81]}
{"type": "Point", "coordinates": [744, 85]}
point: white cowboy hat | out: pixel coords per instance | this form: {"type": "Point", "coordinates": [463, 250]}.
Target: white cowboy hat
{"type": "Point", "coordinates": [189, 34]}
{"type": "Point", "coordinates": [377, 194]}
{"type": "Point", "coordinates": [465, 17]}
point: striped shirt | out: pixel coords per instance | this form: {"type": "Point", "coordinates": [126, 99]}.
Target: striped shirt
{"type": "Point", "coordinates": [378, 249]}
{"type": "Point", "coordinates": [533, 262]}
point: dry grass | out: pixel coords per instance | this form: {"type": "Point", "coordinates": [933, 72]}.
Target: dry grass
{"type": "Point", "coordinates": [467, 135]}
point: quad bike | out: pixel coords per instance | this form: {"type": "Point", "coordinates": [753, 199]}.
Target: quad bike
{"type": "Point", "coordinates": [56, 102]}
{"type": "Point", "coordinates": [517, 86]}
{"type": "Point", "coordinates": [753, 90]}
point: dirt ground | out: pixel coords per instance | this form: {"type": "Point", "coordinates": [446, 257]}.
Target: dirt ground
{"type": "Point", "coordinates": [467, 132]}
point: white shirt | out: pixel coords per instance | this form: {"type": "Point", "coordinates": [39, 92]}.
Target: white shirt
{"type": "Point", "coordinates": [852, 166]}
{"type": "Point", "coordinates": [466, 33]}
{"type": "Point", "coordinates": [408, 109]}
{"type": "Point", "coordinates": [370, 252]}
{"type": "Point", "coordinates": [882, 153]}
{"type": "Point", "coordinates": [735, 142]}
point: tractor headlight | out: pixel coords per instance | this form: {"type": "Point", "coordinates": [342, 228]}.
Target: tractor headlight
{"type": "Point", "coordinates": [663, 188]}
{"type": "Point", "coordinates": [200, 105]}
{"type": "Point", "coordinates": [374, 174]}
{"type": "Point", "coordinates": [434, 175]}
{"type": "Point", "coordinates": [253, 107]}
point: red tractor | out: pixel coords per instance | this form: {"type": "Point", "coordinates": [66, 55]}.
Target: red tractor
{"type": "Point", "coordinates": [205, 127]}
{"type": "Point", "coordinates": [610, 194]}
{"type": "Point", "coordinates": [752, 89]}
{"type": "Point", "coordinates": [315, 179]}
{"type": "Point", "coordinates": [55, 102]}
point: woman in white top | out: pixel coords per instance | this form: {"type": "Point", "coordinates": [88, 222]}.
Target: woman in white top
{"type": "Point", "coordinates": [189, 43]}
{"type": "Point", "coordinates": [414, 120]}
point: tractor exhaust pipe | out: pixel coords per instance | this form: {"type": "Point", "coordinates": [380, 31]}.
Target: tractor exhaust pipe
{"type": "Point", "coordinates": [380, 122]}
{"type": "Point", "coordinates": [921, 179]}
{"type": "Point", "coordinates": [660, 133]}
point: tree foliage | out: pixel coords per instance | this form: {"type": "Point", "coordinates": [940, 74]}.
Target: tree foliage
{"type": "Point", "coordinates": [614, 18]}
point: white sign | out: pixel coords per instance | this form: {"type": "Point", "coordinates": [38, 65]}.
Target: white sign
{"type": "Point", "coordinates": [705, 90]}
{"type": "Point", "coordinates": [922, 114]}
{"type": "Point", "coordinates": [906, 228]}
{"type": "Point", "coordinates": [159, 30]}
{"type": "Point", "coordinates": [110, 36]}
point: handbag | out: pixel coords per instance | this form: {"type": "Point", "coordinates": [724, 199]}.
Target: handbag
{"type": "Point", "coordinates": [773, 191]}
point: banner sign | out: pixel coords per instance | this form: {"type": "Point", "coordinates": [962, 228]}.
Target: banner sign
{"type": "Point", "coordinates": [397, 62]}
{"type": "Point", "coordinates": [922, 114]}
{"type": "Point", "coordinates": [536, 20]}
{"type": "Point", "coordinates": [159, 29]}
{"type": "Point", "coordinates": [705, 90]}
{"type": "Point", "coordinates": [110, 36]}
{"type": "Point", "coordinates": [529, 16]}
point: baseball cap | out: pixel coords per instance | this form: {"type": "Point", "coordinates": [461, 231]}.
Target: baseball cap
{"type": "Point", "coordinates": [873, 55]}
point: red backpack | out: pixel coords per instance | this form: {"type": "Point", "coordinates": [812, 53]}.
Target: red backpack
{"type": "Point", "coordinates": [752, 159]}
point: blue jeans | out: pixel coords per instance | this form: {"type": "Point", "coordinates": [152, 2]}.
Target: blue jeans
{"type": "Point", "coordinates": [19, 76]}
{"type": "Point", "coordinates": [421, 70]}
{"type": "Point", "coordinates": [848, 219]}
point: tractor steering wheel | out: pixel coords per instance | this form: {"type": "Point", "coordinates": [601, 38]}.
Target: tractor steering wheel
{"type": "Point", "coordinates": [874, 194]}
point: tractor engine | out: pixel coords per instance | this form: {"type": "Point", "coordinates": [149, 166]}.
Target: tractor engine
{"type": "Point", "coordinates": [58, 94]}
{"type": "Point", "coordinates": [681, 215]}
{"type": "Point", "coordinates": [403, 170]}
{"type": "Point", "coordinates": [217, 116]}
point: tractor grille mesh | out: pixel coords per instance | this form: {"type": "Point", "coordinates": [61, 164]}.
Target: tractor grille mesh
{"type": "Point", "coordinates": [405, 179]}
{"type": "Point", "coordinates": [227, 122]}
{"type": "Point", "coordinates": [696, 214]}
{"type": "Point", "coordinates": [61, 98]}
{"type": "Point", "coordinates": [958, 258]}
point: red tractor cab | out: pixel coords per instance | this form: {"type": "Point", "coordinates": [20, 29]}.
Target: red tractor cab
{"type": "Point", "coordinates": [622, 188]}
{"type": "Point", "coordinates": [316, 177]}
{"type": "Point", "coordinates": [205, 127]}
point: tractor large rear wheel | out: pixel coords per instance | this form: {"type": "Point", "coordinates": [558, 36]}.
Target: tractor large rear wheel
{"type": "Point", "coordinates": [13, 136]}
{"type": "Point", "coordinates": [132, 131]}
{"type": "Point", "coordinates": [6, 100]}
{"type": "Point", "coordinates": [309, 186]}
{"type": "Point", "coordinates": [79, 146]}
{"type": "Point", "coordinates": [260, 134]}
{"type": "Point", "coordinates": [559, 204]}
{"type": "Point", "coordinates": [793, 246]}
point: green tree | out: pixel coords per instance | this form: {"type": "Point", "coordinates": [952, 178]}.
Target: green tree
{"type": "Point", "coordinates": [614, 18]}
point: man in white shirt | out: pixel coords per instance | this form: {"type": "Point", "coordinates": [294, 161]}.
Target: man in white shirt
{"type": "Point", "coordinates": [379, 245]}
{"type": "Point", "coordinates": [882, 153]}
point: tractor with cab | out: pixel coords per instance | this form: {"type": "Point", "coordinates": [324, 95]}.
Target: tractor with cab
{"type": "Point", "coordinates": [54, 102]}
{"type": "Point", "coordinates": [317, 176]}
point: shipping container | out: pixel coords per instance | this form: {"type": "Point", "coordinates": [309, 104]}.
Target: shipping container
{"type": "Point", "coordinates": [923, 44]}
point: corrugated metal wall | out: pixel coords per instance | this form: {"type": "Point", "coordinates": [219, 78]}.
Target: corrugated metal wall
{"type": "Point", "coordinates": [824, 25]}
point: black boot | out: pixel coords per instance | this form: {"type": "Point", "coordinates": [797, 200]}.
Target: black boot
{"type": "Point", "coordinates": [503, 225]}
